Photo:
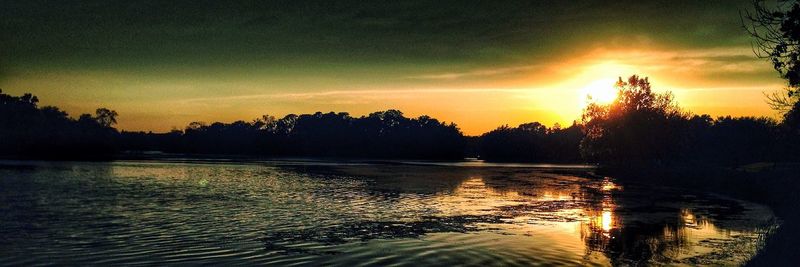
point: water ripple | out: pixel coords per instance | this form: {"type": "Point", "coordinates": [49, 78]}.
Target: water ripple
{"type": "Point", "coordinates": [164, 213]}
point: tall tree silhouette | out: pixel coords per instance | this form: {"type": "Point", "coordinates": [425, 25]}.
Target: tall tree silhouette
{"type": "Point", "coordinates": [776, 33]}
{"type": "Point", "coordinates": [776, 36]}
{"type": "Point", "coordinates": [638, 125]}
{"type": "Point", "coordinates": [641, 126]}
{"type": "Point", "coordinates": [106, 117]}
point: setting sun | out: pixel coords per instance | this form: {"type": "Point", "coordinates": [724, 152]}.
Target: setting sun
{"type": "Point", "coordinates": [599, 91]}
{"type": "Point", "coordinates": [413, 133]}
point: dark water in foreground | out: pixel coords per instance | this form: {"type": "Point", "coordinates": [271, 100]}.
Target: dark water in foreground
{"type": "Point", "coordinates": [359, 214]}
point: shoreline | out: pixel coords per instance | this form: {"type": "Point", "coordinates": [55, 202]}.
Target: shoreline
{"type": "Point", "coordinates": [775, 187]}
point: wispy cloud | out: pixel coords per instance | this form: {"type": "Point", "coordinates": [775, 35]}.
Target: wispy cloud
{"type": "Point", "coordinates": [476, 73]}
{"type": "Point", "coordinates": [730, 60]}
{"type": "Point", "coordinates": [368, 93]}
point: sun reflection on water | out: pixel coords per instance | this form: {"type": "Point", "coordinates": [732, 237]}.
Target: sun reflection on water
{"type": "Point", "coordinates": [446, 216]}
{"type": "Point", "coordinates": [601, 219]}
{"type": "Point", "coordinates": [579, 215]}
{"type": "Point", "coordinates": [606, 221]}
{"type": "Point", "coordinates": [609, 185]}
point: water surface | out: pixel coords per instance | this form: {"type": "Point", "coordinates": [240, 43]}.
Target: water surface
{"type": "Point", "coordinates": [328, 213]}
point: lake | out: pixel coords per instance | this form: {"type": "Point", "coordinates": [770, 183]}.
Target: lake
{"type": "Point", "coordinates": [360, 213]}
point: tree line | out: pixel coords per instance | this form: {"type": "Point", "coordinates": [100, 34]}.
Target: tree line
{"type": "Point", "coordinates": [639, 126]}
{"type": "Point", "coordinates": [30, 131]}
{"type": "Point", "coordinates": [384, 134]}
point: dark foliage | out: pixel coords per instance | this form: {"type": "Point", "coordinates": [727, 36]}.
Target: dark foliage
{"type": "Point", "coordinates": [733, 141]}
{"type": "Point", "coordinates": [643, 127]}
{"type": "Point", "coordinates": [386, 134]}
{"type": "Point", "coordinates": [639, 127]}
{"type": "Point", "coordinates": [775, 29]}
{"type": "Point", "coordinates": [791, 120]}
{"type": "Point", "coordinates": [532, 142]}
{"type": "Point", "coordinates": [28, 131]}
{"type": "Point", "coordinates": [776, 35]}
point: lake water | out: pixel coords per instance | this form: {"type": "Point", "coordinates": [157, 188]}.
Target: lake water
{"type": "Point", "coordinates": [351, 214]}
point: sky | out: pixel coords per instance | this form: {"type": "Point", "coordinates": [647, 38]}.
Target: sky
{"type": "Point", "coordinates": [480, 64]}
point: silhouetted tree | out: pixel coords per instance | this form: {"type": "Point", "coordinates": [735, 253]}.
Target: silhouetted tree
{"type": "Point", "coordinates": [531, 142]}
{"type": "Point", "coordinates": [106, 117]}
{"type": "Point", "coordinates": [385, 134]}
{"type": "Point", "coordinates": [645, 127]}
{"type": "Point", "coordinates": [792, 118]}
{"type": "Point", "coordinates": [736, 141]}
{"type": "Point", "coordinates": [775, 29]}
{"type": "Point", "coordinates": [639, 125]}
{"type": "Point", "coordinates": [32, 132]}
{"type": "Point", "coordinates": [791, 133]}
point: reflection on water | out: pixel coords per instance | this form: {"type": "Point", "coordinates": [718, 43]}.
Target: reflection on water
{"type": "Point", "coordinates": [359, 214]}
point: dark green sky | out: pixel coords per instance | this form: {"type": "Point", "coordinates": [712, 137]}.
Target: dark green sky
{"type": "Point", "coordinates": [131, 35]}
{"type": "Point", "coordinates": [115, 53]}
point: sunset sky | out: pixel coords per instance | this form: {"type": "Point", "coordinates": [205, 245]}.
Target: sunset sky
{"type": "Point", "coordinates": [480, 64]}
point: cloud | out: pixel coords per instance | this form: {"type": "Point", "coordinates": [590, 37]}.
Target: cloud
{"type": "Point", "coordinates": [477, 73]}
{"type": "Point", "coordinates": [374, 94]}
{"type": "Point", "coordinates": [718, 59]}
{"type": "Point", "coordinates": [149, 33]}
{"type": "Point", "coordinates": [288, 55]}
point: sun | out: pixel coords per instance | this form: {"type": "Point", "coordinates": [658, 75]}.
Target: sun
{"type": "Point", "coordinates": [599, 91]}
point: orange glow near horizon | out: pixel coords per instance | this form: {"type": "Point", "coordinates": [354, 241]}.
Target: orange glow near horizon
{"type": "Point", "coordinates": [478, 101]}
